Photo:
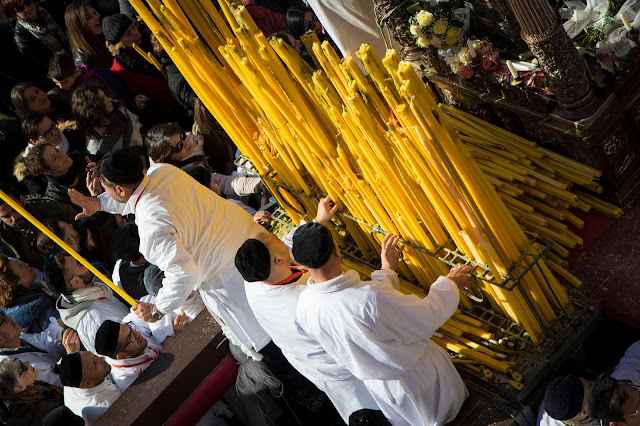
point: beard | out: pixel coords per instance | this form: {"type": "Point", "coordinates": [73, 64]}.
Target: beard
{"type": "Point", "coordinates": [87, 277]}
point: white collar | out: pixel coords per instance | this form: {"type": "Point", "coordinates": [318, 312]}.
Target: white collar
{"type": "Point", "coordinates": [338, 283]}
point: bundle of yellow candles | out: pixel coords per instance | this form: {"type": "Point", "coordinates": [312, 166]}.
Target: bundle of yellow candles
{"type": "Point", "coordinates": [379, 144]}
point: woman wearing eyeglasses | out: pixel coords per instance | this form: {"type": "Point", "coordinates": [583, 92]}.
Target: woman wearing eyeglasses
{"type": "Point", "coordinates": [107, 124]}
{"type": "Point", "coordinates": [36, 33]}
{"type": "Point", "coordinates": [28, 400]}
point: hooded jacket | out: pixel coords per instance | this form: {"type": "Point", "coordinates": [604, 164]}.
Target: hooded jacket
{"type": "Point", "coordinates": [86, 309]}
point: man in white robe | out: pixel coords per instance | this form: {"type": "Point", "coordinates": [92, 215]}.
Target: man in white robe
{"type": "Point", "coordinates": [379, 334]}
{"type": "Point", "coordinates": [273, 285]}
{"type": "Point", "coordinates": [85, 302]}
{"type": "Point", "coordinates": [130, 348]}
{"type": "Point", "coordinates": [89, 388]}
{"type": "Point", "coordinates": [191, 234]}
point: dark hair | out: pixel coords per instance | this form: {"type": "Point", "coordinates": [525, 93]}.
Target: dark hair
{"type": "Point", "coordinates": [606, 399]}
{"type": "Point", "coordinates": [157, 141]}
{"type": "Point", "coordinates": [30, 124]}
{"type": "Point", "coordinates": [35, 161]}
{"type": "Point", "coordinates": [11, 190]}
{"type": "Point", "coordinates": [80, 38]}
{"type": "Point", "coordinates": [11, 7]}
{"type": "Point", "coordinates": [46, 244]}
{"type": "Point", "coordinates": [88, 107]}
{"type": "Point", "coordinates": [8, 282]}
{"type": "Point", "coordinates": [18, 99]}
{"type": "Point", "coordinates": [294, 18]}
{"type": "Point", "coordinates": [282, 36]}
{"type": "Point", "coordinates": [61, 66]}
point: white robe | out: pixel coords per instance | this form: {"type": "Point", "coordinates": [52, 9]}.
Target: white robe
{"type": "Point", "coordinates": [275, 309]}
{"type": "Point", "coordinates": [91, 403]}
{"type": "Point", "coordinates": [382, 336]}
{"type": "Point", "coordinates": [192, 235]}
{"type": "Point", "coordinates": [126, 371]}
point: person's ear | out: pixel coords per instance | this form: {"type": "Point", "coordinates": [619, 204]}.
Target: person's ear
{"type": "Point", "coordinates": [20, 387]}
{"type": "Point", "coordinates": [22, 200]}
{"type": "Point", "coordinates": [280, 260]}
{"type": "Point", "coordinates": [33, 141]}
{"type": "Point", "coordinates": [2, 340]}
{"type": "Point", "coordinates": [86, 384]}
{"type": "Point", "coordinates": [123, 355]}
{"type": "Point", "coordinates": [336, 250]}
{"type": "Point", "coordinates": [120, 190]}
{"type": "Point", "coordinates": [74, 282]}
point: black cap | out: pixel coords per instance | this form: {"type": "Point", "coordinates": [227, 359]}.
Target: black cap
{"type": "Point", "coordinates": [563, 398]}
{"type": "Point", "coordinates": [122, 168]}
{"type": "Point", "coordinates": [253, 260]}
{"type": "Point", "coordinates": [125, 242]}
{"type": "Point", "coordinates": [71, 370]}
{"type": "Point", "coordinates": [114, 27]}
{"type": "Point", "coordinates": [54, 276]}
{"type": "Point", "coordinates": [153, 277]}
{"type": "Point", "coordinates": [107, 338]}
{"type": "Point", "coordinates": [62, 416]}
{"type": "Point", "coordinates": [312, 245]}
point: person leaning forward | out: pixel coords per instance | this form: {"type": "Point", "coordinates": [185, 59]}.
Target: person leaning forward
{"type": "Point", "coordinates": [381, 335]}
{"type": "Point", "coordinates": [191, 234]}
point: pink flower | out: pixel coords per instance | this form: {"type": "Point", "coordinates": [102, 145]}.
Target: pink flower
{"type": "Point", "coordinates": [466, 71]}
{"type": "Point", "coordinates": [436, 42]}
{"type": "Point", "coordinates": [487, 63]}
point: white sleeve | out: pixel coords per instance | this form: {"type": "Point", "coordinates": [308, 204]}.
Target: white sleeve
{"type": "Point", "coordinates": [46, 374]}
{"type": "Point", "coordinates": [409, 318]}
{"type": "Point", "coordinates": [50, 339]}
{"type": "Point", "coordinates": [116, 274]}
{"type": "Point", "coordinates": [629, 366]}
{"type": "Point", "coordinates": [180, 271]}
{"type": "Point", "coordinates": [386, 275]}
{"type": "Point", "coordinates": [109, 205]}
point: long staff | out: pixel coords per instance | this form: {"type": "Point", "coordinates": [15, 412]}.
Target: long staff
{"type": "Point", "coordinates": [35, 222]}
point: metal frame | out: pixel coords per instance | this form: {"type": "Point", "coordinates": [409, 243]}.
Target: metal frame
{"type": "Point", "coordinates": [557, 341]}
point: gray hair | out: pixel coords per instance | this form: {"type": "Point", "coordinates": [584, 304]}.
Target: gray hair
{"type": "Point", "coordinates": [9, 380]}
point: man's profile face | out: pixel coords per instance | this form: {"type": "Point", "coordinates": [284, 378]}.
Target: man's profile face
{"type": "Point", "coordinates": [73, 268]}
{"type": "Point", "coordinates": [131, 341]}
{"type": "Point", "coordinates": [94, 368]}
{"type": "Point", "coordinates": [11, 217]}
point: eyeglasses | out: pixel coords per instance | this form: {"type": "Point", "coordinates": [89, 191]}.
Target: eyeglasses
{"type": "Point", "coordinates": [131, 337]}
{"type": "Point", "coordinates": [48, 133]}
{"type": "Point", "coordinates": [180, 143]}
{"type": "Point", "coordinates": [23, 366]}
{"type": "Point", "coordinates": [311, 24]}
{"type": "Point", "coordinates": [23, 6]}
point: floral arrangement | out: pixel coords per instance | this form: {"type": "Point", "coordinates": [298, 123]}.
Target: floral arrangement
{"type": "Point", "coordinates": [440, 24]}
{"type": "Point", "coordinates": [479, 54]}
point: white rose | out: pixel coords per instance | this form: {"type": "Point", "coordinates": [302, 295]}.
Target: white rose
{"type": "Point", "coordinates": [424, 18]}
{"type": "Point", "coordinates": [422, 42]}
{"type": "Point", "coordinates": [440, 27]}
